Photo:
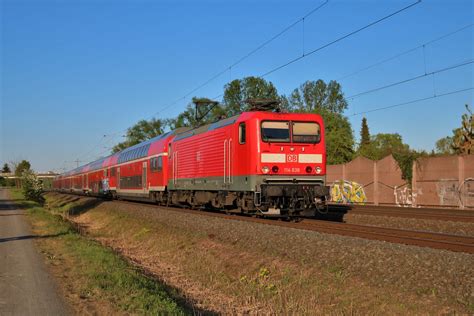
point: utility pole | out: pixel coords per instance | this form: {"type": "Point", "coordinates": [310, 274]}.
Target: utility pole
{"type": "Point", "coordinates": [77, 161]}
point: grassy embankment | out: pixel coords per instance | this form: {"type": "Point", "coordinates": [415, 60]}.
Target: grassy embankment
{"type": "Point", "coordinates": [92, 277]}
{"type": "Point", "coordinates": [235, 267]}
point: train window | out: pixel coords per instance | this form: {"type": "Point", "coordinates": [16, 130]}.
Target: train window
{"type": "Point", "coordinates": [159, 164]}
{"type": "Point", "coordinates": [276, 131]}
{"type": "Point", "coordinates": [152, 164]}
{"type": "Point", "coordinates": [112, 172]}
{"type": "Point", "coordinates": [242, 133]}
{"type": "Point", "coordinates": [306, 132]}
{"type": "Point", "coordinates": [156, 164]}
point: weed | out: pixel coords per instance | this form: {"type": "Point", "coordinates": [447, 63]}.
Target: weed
{"type": "Point", "coordinates": [338, 272]}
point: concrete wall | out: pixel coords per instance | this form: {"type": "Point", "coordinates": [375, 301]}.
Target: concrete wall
{"type": "Point", "coordinates": [437, 182]}
{"type": "Point", "coordinates": [444, 181]}
{"type": "Point", "coordinates": [381, 182]}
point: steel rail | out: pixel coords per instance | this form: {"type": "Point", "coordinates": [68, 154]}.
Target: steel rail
{"type": "Point", "coordinates": [418, 213]}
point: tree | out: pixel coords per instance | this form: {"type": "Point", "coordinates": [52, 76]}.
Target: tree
{"type": "Point", "coordinates": [382, 145]}
{"type": "Point", "coordinates": [140, 132]}
{"type": "Point", "coordinates": [6, 168]}
{"type": "Point", "coordinates": [364, 133]}
{"type": "Point", "coordinates": [239, 90]}
{"type": "Point", "coordinates": [444, 146]}
{"type": "Point", "coordinates": [463, 138]}
{"type": "Point", "coordinates": [314, 95]}
{"type": "Point", "coordinates": [24, 165]}
{"type": "Point", "coordinates": [32, 186]}
{"type": "Point", "coordinates": [364, 146]}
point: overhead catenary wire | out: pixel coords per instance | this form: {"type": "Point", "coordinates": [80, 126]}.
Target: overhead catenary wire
{"type": "Point", "coordinates": [410, 79]}
{"type": "Point", "coordinates": [327, 44]}
{"type": "Point", "coordinates": [412, 101]}
{"type": "Point", "coordinates": [405, 52]}
{"type": "Point", "coordinates": [246, 56]}
{"type": "Point", "coordinates": [304, 55]}
{"type": "Point", "coordinates": [235, 63]}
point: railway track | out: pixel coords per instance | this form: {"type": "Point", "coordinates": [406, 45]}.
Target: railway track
{"type": "Point", "coordinates": [418, 213]}
{"type": "Point", "coordinates": [401, 236]}
{"type": "Point", "coordinates": [408, 237]}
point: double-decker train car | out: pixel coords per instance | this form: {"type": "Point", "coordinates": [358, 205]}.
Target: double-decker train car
{"type": "Point", "coordinates": [263, 163]}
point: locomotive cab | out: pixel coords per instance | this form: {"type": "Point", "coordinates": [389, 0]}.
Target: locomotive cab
{"type": "Point", "coordinates": [290, 165]}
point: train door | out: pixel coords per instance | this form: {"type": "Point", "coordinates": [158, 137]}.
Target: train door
{"type": "Point", "coordinates": [228, 161]}
{"type": "Point", "coordinates": [242, 149]}
{"type": "Point", "coordinates": [144, 177]}
{"type": "Point", "coordinates": [118, 177]}
{"type": "Point", "coordinates": [174, 162]}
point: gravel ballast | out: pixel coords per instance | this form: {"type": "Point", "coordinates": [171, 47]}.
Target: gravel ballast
{"type": "Point", "coordinates": [445, 227]}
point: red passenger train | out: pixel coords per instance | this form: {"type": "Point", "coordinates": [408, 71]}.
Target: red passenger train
{"type": "Point", "coordinates": [260, 163]}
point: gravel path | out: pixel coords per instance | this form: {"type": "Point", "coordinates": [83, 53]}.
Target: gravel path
{"type": "Point", "coordinates": [26, 287]}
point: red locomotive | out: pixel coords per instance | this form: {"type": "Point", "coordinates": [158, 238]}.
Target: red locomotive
{"type": "Point", "coordinates": [260, 163]}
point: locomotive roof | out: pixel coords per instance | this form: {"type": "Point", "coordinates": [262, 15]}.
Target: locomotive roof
{"type": "Point", "coordinates": [208, 127]}
{"type": "Point", "coordinates": [232, 120]}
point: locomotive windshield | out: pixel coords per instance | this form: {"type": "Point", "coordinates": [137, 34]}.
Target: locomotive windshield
{"type": "Point", "coordinates": [273, 131]}
{"type": "Point", "coordinates": [302, 132]}
{"type": "Point", "coordinates": [306, 132]}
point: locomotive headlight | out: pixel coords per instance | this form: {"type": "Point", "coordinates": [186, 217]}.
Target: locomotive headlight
{"type": "Point", "coordinates": [275, 169]}
{"type": "Point", "coordinates": [318, 170]}
{"type": "Point", "coordinates": [265, 169]}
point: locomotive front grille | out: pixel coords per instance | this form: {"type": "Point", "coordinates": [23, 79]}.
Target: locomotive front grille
{"type": "Point", "coordinates": [294, 190]}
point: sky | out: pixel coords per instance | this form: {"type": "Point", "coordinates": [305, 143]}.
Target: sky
{"type": "Point", "coordinates": [76, 74]}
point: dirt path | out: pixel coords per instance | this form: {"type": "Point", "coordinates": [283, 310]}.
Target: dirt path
{"type": "Point", "coordinates": [26, 288]}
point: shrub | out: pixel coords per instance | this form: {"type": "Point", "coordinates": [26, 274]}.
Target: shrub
{"type": "Point", "coordinates": [32, 186]}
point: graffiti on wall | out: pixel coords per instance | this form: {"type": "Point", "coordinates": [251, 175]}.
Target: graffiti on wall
{"type": "Point", "coordinates": [451, 193]}
{"type": "Point", "coordinates": [404, 196]}
{"type": "Point", "coordinates": [343, 191]}
{"type": "Point", "coordinates": [466, 192]}
{"type": "Point", "coordinates": [447, 190]}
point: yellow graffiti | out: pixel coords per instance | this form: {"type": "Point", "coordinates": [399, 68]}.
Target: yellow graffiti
{"type": "Point", "coordinates": [343, 191]}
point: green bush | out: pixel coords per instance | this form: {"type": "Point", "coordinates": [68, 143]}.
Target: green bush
{"type": "Point", "coordinates": [32, 187]}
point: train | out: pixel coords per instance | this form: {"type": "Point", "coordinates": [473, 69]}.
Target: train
{"type": "Point", "coordinates": [258, 163]}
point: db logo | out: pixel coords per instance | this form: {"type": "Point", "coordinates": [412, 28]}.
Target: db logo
{"type": "Point", "coordinates": [291, 158]}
